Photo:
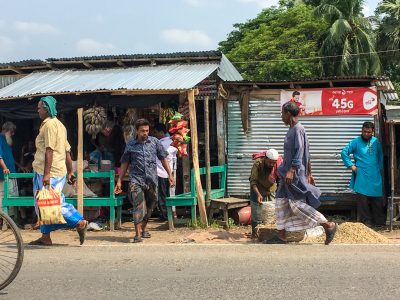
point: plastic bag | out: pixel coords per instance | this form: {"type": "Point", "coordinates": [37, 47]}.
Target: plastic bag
{"type": "Point", "coordinates": [48, 202]}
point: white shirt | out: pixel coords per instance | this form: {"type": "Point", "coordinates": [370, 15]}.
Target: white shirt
{"type": "Point", "coordinates": [171, 158]}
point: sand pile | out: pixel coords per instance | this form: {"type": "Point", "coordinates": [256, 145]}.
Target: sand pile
{"type": "Point", "coordinates": [347, 233]}
{"type": "Point", "coordinates": [353, 233]}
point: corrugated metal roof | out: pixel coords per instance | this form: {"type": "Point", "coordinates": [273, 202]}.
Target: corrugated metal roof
{"type": "Point", "coordinates": [210, 54]}
{"type": "Point", "coordinates": [24, 63]}
{"type": "Point", "coordinates": [7, 80]}
{"type": "Point", "coordinates": [227, 71]}
{"type": "Point", "coordinates": [165, 77]}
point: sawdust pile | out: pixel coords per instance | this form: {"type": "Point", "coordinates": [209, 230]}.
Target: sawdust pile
{"type": "Point", "coordinates": [352, 233]}
{"type": "Point", "coordinates": [347, 233]}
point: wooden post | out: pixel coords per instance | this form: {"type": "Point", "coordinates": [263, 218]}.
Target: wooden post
{"type": "Point", "coordinates": [207, 149]}
{"type": "Point", "coordinates": [219, 107]}
{"type": "Point", "coordinates": [185, 159]}
{"type": "Point", "coordinates": [195, 156]}
{"type": "Point", "coordinates": [392, 175]}
{"type": "Point", "coordinates": [79, 169]}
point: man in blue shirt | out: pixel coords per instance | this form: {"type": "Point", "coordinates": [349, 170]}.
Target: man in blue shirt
{"type": "Point", "coordinates": [141, 156]}
{"type": "Point", "coordinates": [7, 162]}
{"type": "Point", "coordinates": [366, 178]}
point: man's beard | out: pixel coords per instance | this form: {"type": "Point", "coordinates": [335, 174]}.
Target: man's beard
{"type": "Point", "coordinates": [364, 139]}
{"type": "Point", "coordinates": [9, 139]}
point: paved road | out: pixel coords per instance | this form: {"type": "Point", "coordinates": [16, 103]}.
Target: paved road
{"type": "Point", "coordinates": [209, 272]}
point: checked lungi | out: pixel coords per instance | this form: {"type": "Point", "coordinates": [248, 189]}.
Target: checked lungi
{"type": "Point", "coordinates": [139, 194]}
{"type": "Point", "coordinates": [296, 215]}
{"type": "Point", "coordinates": [69, 212]}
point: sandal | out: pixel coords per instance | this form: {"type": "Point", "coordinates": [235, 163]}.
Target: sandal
{"type": "Point", "coordinates": [39, 242]}
{"type": "Point", "coordinates": [276, 241]}
{"type": "Point", "coordinates": [330, 234]}
{"type": "Point", "coordinates": [82, 233]}
{"type": "Point", "coordinates": [137, 239]}
{"type": "Point", "coordinates": [146, 235]}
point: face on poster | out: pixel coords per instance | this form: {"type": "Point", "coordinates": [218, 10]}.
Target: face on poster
{"type": "Point", "coordinates": [333, 101]}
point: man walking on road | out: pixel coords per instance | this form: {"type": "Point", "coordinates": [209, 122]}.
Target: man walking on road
{"type": "Point", "coordinates": [366, 178]}
{"type": "Point", "coordinates": [297, 198]}
{"type": "Point", "coordinates": [51, 164]}
{"type": "Point", "coordinates": [140, 155]}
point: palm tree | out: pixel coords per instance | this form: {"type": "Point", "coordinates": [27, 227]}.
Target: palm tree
{"type": "Point", "coordinates": [389, 28]}
{"type": "Point", "coordinates": [348, 45]}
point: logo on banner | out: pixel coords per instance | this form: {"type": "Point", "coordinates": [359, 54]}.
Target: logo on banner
{"type": "Point", "coordinates": [333, 101]}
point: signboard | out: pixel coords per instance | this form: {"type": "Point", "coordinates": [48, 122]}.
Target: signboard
{"type": "Point", "coordinates": [333, 101]}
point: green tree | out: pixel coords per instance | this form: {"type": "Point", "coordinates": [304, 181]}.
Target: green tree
{"type": "Point", "coordinates": [348, 44]}
{"type": "Point", "coordinates": [266, 48]}
{"type": "Point", "coordinates": [388, 39]}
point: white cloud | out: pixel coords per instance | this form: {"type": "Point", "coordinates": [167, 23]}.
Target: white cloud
{"type": "Point", "coordinates": [90, 46]}
{"type": "Point", "coordinates": [35, 28]}
{"type": "Point", "coordinates": [261, 3]}
{"type": "Point", "coordinates": [186, 37]}
{"type": "Point", "coordinates": [6, 44]}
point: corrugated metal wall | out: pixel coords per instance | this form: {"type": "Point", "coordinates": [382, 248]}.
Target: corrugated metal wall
{"type": "Point", "coordinates": [8, 79]}
{"type": "Point", "coordinates": [327, 135]}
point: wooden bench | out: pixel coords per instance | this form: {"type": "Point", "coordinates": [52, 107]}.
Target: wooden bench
{"type": "Point", "coordinates": [225, 204]}
{"type": "Point", "coordinates": [113, 202]}
{"type": "Point", "coordinates": [190, 198]}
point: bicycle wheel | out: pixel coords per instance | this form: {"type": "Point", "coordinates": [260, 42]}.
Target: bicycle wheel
{"type": "Point", "coordinates": [11, 250]}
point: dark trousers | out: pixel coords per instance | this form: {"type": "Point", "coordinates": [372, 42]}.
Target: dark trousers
{"type": "Point", "coordinates": [371, 210]}
{"type": "Point", "coordinates": [163, 192]}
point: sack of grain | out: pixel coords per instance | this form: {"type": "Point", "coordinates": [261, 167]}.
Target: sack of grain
{"type": "Point", "coordinates": [268, 212]}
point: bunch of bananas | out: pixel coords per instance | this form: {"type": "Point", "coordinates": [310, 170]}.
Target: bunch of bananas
{"type": "Point", "coordinates": [166, 115]}
{"type": "Point", "coordinates": [95, 118]}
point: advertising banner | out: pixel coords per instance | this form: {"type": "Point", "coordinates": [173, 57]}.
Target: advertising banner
{"type": "Point", "coordinates": [333, 101]}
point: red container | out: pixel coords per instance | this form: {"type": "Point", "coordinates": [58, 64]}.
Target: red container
{"type": "Point", "coordinates": [244, 216]}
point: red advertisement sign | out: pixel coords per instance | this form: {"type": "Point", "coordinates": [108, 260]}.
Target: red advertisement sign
{"type": "Point", "coordinates": [333, 101]}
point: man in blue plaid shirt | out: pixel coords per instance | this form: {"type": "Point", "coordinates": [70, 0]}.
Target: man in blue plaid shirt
{"type": "Point", "coordinates": [141, 156]}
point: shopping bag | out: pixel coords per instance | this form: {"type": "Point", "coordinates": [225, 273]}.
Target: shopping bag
{"type": "Point", "coordinates": [48, 202]}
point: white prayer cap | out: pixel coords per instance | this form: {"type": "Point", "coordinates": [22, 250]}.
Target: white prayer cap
{"type": "Point", "coordinates": [272, 154]}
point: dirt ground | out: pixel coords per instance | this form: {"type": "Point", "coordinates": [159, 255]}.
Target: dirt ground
{"type": "Point", "coordinates": [161, 235]}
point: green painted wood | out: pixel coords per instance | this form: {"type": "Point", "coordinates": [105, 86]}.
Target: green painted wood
{"type": "Point", "coordinates": [190, 199]}
{"type": "Point", "coordinates": [111, 201]}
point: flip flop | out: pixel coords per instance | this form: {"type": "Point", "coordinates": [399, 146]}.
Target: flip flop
{"type": "Point", "coordinates": [330, 234]}
{"type": "Point", "coordinates": [276, 241]}
{"type": "Point", "coordinates": [82, 233]}
{"type": "Point", "coordinates": [146, 235]}
{"type": "Point", "coordinates": [39, 242]}
{"type": "Point", "coordinates": [137, 239]}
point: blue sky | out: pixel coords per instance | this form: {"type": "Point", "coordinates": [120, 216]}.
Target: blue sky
{"type": "Point", "coordinates": [42, 28]}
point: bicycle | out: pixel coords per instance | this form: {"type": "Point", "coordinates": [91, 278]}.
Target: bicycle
{"type": "Point", "coordinates": [11, 250]}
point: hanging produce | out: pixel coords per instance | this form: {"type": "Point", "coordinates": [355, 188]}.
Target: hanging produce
{"type": "Point", "coordinates": [179, 134]}
{"type": "Point", "coordinates": [165, 115]}
{"type": "Point", "coordinates": [130, 116]}
{"type": "Point", "coordinates": [95, 117]}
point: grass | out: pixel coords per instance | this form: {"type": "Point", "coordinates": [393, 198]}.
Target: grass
{"type": "Point", "coordinates": [198, 224]}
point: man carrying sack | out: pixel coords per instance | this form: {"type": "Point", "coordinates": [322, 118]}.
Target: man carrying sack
{"type": "Point", "coordinates": [51, 164]}
{"type": "Point", "coordinates": [262, 183]}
